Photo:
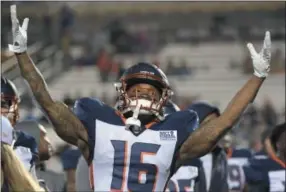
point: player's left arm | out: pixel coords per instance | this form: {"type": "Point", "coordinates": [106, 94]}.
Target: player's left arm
{"type": "Point", "coordinates": [207, 135]}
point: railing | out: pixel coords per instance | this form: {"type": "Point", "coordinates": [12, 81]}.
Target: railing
{"type": "Point", "coordinates": [47, 59]}
{"type": "Point", "coordinates": [11, 63]}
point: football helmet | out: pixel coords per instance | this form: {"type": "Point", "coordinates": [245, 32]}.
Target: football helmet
{"type": "Point", "coordinates": [9, 100]}
{"type": "Point", "coordinates": [143, 73]}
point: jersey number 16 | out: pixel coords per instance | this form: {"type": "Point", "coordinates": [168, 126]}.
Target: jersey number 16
{"type": "Point", "coordinates": [136, 166]}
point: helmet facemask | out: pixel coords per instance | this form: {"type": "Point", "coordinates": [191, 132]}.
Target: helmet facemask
{"type": "Point", "coordinates": [10, 108]}
{"type": "Point", "coordinates": [146, 99]}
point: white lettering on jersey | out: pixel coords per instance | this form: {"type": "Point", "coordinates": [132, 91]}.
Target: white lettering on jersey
{"type": "Point", "coordinates": [183, 180]}
{"type": "Point", "coordinates": [124, 162]}
{"type": "Point", "coordinates": [207, 161]}
{"type": "Point", "coordinates": [277, 180]}
{"type": "Point", "coordinates": [25, 156]}
{"type": "Point", "coordinates": [236, 177]}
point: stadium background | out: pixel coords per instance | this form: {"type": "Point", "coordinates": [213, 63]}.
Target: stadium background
{"type": "Point", "coordinates": [82, 48]}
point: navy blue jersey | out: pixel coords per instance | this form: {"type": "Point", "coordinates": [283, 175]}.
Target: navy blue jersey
{"type": "Point", "coordinates": [26, 149]}
{"type": "Point", "coordinates": [265, 174]}
{"type": "Point", "coordinates": [69, 158]}
{"type": "Point", "coordinates": [219, 171]}
{"type": "Point", "coordinates": [189, 177]}
{"type": "Point", "coordinates": [123, 161]}
{"type": "Point", "coordinates": [216, 170]}
{"type": "Point", "coordinates": [237, 158]}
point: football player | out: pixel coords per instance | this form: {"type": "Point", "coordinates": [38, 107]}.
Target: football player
{"type": "Point", "coordinates": [214, 163]}
{"type": "Point", "coordinates": [82, 176]}
{"type": "Point", "coordinates": [135, 148]}
{"type": "Point", "coordinates": [267, 173]}
{"type": "Point", "coordinates": [45, 150]}
{"type": "Point", "coordinates": [190, 177]}
{"type": "Point", "coordinates": [69, 158]}
{"type": "Point", "coordinates": [25, 145]}
{"type": "Point", "coordinates": [236, 159]}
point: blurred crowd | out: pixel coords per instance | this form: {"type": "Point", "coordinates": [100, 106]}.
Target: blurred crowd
{"type": "Point", "coordinates": [95, 41]}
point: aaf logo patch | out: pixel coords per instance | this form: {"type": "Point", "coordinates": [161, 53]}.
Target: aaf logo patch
{"type": "Point", "coordinates": [168, 135]}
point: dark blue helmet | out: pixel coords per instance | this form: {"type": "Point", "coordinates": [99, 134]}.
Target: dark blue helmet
{"type": "Point", "coordinates": [144, 73]}
{"type": "Point", "coordinates": [170, 108]}
{"type": "Point", "coordinates": [8, 88]}
{"type": "Point", "coordinates": [203, 110]}
{"type": "Point", "coordinates": [10, 99]}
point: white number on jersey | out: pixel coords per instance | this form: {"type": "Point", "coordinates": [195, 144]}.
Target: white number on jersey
{"type": "Point", "coordinates": [277, 181]}
{"type": "Point", "coordinates": [236, 178]}
{"type": "Point", "coordinates": [183, 180]}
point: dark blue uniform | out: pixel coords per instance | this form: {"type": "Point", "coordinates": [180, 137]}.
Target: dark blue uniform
{"type": "Point", "coordinates": [26, 149]}
{"type": "Point", "coordinates": [69, 158]}
{"type": "Point", "coordinates": [265, 174]}
{"type": "Point", "coordinates": [189, 177]}
{"type": "Point", "coordinates": [124, 161]}
{"type": "Point", "coordinates": [237, 158]}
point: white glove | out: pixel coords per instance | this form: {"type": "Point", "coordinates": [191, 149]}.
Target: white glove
{"type": "Point", "coordinates": [19, 33]}
{"type": "Point", "coordinates": [261, 60]}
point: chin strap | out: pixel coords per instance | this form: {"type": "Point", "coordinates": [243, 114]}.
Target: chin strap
{"type": "Point", "coordinates": [133, 122]}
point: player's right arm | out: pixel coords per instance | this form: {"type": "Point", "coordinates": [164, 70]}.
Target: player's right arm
{"type": "Point", "coordinates": [207, 135]}
{"type": "Point", "coordinates": [66, 124]}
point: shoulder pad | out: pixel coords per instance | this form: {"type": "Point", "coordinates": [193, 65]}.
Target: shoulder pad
{"type": "Point", "coordinates": [187, 118]}
{"type": "Point", "coordinates": [87, 109]}
{"type": "Point", "coordinates": [87, 104]}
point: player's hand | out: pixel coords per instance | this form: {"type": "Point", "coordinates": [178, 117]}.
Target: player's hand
{"type": "Point", "coordinates": [19, 32]}
{"type": "Point", "coordinates": [261, 60]}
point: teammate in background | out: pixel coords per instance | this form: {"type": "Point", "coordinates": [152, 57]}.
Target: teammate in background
{"type": "Point", "coordinates": [83, 181]}
{"type": "Point", "coordinates": [69, 158]}
{"type": "Point", "coordinates": [190, 177]}
{"type": "Point", "coordinates": [214, 163]}
{"type": "Point", "coordinates": [267, 145]}
{"type": "Point", "coordinates": [14, 176]}
{"type": "Point", "coordinates": [25, 145]}
{"type": "Point", "coordinates": [136, 148]}
{"type": "Point", "coordinates": [38, 132]}
{"type": "Point", "coordinates": [264, 139]}
{"type": "Point", "coordinates": [236, 159]}
{"type": "Point", "coordinates": [267, 173]}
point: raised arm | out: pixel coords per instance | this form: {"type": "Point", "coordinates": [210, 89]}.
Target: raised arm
{"type": "Point", "coordinates": [66, 124]}
{"type": "Point", "coordinates": [206, 137]}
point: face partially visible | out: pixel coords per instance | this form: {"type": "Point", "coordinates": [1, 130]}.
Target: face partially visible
{"type": "Point", "coordinates": [144, 91]}
{"type": "Point", "coordinates": [45, 147]}
{"type": "Point", "coordinates": [281, 144]}
{"type": "Point", "coordinates": [9, 109]}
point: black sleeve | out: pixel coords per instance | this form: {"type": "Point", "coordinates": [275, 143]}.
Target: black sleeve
{"type": "Point", "coordinates": [200, 182]}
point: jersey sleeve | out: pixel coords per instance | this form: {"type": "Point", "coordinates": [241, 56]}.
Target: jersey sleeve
{"type": "Point", "coordinates": [69, 158]}
{"type": "Point", "coordinates": [88, 110]}
{"type": "Point", "coordinates": [193, 122]}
